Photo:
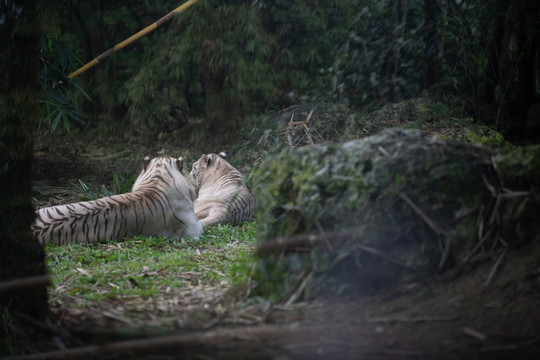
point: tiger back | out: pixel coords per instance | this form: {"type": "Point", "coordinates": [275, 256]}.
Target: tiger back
{"type": "Point", "coordinates": [161, 203]}
{"type": "Point", "coordinates": [223, 197]}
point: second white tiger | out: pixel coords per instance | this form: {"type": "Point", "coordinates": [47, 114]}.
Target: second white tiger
{"type": "Point", "coordinates": [161, 203]}
{"type": "Point", "coordinates": [223, 195]}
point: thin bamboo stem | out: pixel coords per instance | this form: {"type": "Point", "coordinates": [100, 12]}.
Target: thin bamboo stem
{"type": "Point", "coordinates": [132, 38]}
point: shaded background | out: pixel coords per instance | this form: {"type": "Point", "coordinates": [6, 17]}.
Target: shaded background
{"type": "Point", "coordinates": [220, 62]}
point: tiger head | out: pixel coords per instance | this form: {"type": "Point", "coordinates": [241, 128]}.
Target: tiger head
{"type": "Point", "coordinates": [164, 168]}
{"type": "Point", "coordinates": [208, 166]}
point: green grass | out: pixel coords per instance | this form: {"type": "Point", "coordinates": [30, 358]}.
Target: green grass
{"type": "Point", "coordinates": [145, 266]}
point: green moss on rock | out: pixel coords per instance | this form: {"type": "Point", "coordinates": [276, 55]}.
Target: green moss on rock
{"type": "Point", "coordinates": [485, 136]}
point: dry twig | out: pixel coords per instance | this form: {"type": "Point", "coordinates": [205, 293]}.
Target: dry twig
{"type": "Point", "coordinates": [293, 124]}
{"type": "Point", "coordinates": [444, 249]}
{"type": "Point", "coordinates": [298, 291]}
{"type": "Point", "coordinates": [494, 269]}
{"type": "Point", "coordinates": [474, 333]}
{"type": "Point", "coordinates": [374, 251]}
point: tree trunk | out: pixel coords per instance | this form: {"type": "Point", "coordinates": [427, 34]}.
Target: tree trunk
{"type": "Point", "coordinates": [22, 256]}
{"type": "Point", "coordinates": [494, 47]}
{"type": "Point", "coordinates": [215, 110]}
{"type": "Point", "coordinates": [525, 93]}
{"type": "Point", "coordinates": [394, 59]}
{"type": "Point", "coordinates": [430, 43]}
{"type": "Point", "coordinates": [222, 108]}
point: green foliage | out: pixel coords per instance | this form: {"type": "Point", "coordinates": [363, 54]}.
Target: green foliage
{"type": "Point", "coordinates": [308, 35]}
{"type": "Point", "coordinates": [228, 50]}
{"type": "Point", "coordinates": [145, 266]}
{"type": "Point", "coordinates": [222, 61]}
{"type": "Point", "coordinates": [97, 193]}
{"type": "Point", "coordinates": [56, 95]}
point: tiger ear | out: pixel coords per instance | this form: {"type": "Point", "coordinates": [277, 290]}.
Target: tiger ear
{"type": "Point", "coordinates": [222, 154]}
{"type": "Point", "coordinates": [205, 161]}
{"type": "Point", "coordinates": [180, 164]}
{"type": "Point", "coordinates": [146, 161]}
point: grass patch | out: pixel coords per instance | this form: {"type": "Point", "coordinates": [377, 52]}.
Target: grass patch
{"type": "Point", "coordinates": [140, 267]}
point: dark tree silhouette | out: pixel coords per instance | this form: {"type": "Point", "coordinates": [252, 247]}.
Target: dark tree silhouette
{"type": "Point", "coordinates": [22, 256]}
{"type": "Point", "coordinates": [509, 93]}
{"type": "Point", "coordinates": [430, 43]}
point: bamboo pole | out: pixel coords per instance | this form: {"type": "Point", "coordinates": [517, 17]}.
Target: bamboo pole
{"type": "Point", "coordinates": [132, 38]}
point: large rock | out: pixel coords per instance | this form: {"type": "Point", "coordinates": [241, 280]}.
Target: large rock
{"type": "Point", "coordinates": [380, 211]}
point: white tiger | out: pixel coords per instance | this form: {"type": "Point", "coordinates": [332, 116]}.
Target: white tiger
{"type": "Point", "coordinates": [222, 194]}
{"type": "Point", "coordinates": [161, 203]}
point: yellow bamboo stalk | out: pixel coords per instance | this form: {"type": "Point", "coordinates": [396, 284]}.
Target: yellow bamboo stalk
{"type": "Point", "coordinates": [132, 38]}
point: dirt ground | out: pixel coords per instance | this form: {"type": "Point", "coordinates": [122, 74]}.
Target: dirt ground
{"type": "Point", "coordinates": [488, 309]}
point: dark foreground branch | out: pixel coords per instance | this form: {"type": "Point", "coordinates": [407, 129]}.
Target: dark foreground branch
{"type": "Point", "coordinates": [300, 242]}
{"type": "Point", "coordinates": [303, 242]}
{"type": "Point", "coordinates": [25, 283]}
{"type": "Point", "coordinates": [233, 337]}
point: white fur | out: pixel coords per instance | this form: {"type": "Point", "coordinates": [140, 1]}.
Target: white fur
{"type": "Point", "coordinates": [160, 204]}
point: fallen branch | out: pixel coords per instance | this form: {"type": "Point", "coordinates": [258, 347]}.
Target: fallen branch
{"type": "Point", "coordinates": [321, 230]}
{"type": "Point", "coordinates": [478, 245]}
{"type": "Point", "coordinates": [390, 352]}
{"type": "Point", "coordinates": [289, 243]}
{"type": "Point", "coordinates": [464, 215]}
{"type": "Point", "coordinates": [387, 257]}
{"type": "Point", "coordinates": [113, 156]}
{"type": "Point", "coordinates": [384, 152]}
{"type": "Point", "coordinates": [184, 342]}
{"type": "Point", "coordinates": [445, 255]}
{"type": "Point", "coordinates": [301, 241]}
{"type": "Point", "coordinates": [412, 319]}
{"type": "Point", "coordinates": [24, 283]}
{"type": "Point", "coordinates": [432, 225]}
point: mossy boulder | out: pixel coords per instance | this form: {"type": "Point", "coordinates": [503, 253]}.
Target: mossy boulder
{"type": "Point", "coordinates": [400, 204]}
{"type": "Point", "coordinates": [433, 118]}
{"type": "Point", "coordinates": [519, 168]}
